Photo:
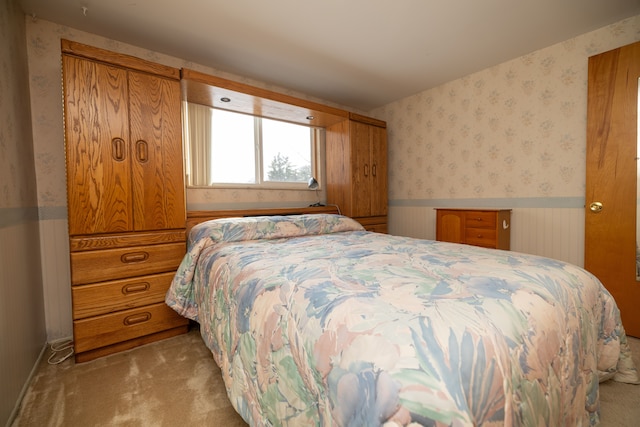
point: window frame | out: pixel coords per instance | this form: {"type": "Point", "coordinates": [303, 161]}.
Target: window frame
{"type": "Point", "coordinates": [316, 141]}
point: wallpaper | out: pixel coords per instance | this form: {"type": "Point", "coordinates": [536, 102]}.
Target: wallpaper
{"type": "Point", "coordinates": [17, 175]}
{"type": "Point", "coordinates": [515, 130]}
{"type": "Point", "coordinates": [22, 322]}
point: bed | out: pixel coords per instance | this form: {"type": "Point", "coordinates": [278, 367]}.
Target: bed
{"type": "Point", "coordinates": [315, 322]}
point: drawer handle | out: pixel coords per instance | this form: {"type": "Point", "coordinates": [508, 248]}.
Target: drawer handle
{"type": "Point", "coordinates": [134, 257]}
{"type": "Point", "coordinates": [117, 149]}
{"type": "Point", "coordinates": [480, 236]}
{"type": "Point", "coordinates": [134, 288]}
{"type": "Point", "coordinates": [135, 319]}
{"type": "Point", "coordinates": [479, 219]}
{"type": "Point", "coordinates": [142, 150]}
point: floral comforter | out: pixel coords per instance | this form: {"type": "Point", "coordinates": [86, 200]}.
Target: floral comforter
{"type": "Point", "coordinates": [315, 321]}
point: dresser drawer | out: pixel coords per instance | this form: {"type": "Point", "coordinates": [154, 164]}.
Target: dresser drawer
{"type": "Point", "coordinates": [481, 237]}
{"type": "Point", "coordinates": [377, 224]}
{"type": "Point", "coordinates": [480, 219]}
{"type": "Point", "coordinates": [116, 295]}
{"type": "Point", "coordinates": [111, 264]}
{"type": "Point", "coordinates": [101, 331]}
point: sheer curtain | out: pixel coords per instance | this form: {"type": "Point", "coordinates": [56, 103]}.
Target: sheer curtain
{"type": "Point", "coordinates": [198, 137]}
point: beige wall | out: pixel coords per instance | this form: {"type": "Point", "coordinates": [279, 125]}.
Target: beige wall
{"type": "Point", "coordinates": [22, 324]}
{"type": "Point", "coordinates": [510, 136]}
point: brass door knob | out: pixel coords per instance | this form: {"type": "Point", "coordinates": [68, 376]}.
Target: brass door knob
{"type": "Point", "coordinates": [595, 207]}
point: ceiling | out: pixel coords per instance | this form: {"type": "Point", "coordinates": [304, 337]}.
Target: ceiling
{"type": "Point", "coordinates": [357, 53]}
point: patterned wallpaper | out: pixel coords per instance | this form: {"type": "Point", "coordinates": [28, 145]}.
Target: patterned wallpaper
{"type": "Point", "coordinates": [515, 130]}
{"type": "Point", "coordinates": [17, 176]}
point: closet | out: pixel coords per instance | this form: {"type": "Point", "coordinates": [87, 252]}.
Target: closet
{"type": "Point", "coordinates": [125, 196]}
{"type": "Point", "coordinates": [612, 178]}
{"type": "Point", "coordinates": [356, 170]}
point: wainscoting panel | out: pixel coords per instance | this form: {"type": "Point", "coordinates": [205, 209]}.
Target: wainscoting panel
{"type": "Point", "coordinates": [22, 323]}
{"type": "Point", "coordinates": [413, 221]}
{"type": "Point", "coordinates": [556, 233]}
{"type": "Point", "coordinates": [54, 244]}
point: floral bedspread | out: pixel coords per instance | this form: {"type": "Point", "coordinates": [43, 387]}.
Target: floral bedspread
{"type": "Point", "coordinates": [315, 321]}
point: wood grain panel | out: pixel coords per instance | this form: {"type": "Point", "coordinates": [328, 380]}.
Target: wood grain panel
{"type": "Point", "coordinates": [206, 89]}
{"type": "Point", "coordinates": [612, 123]}
{"type": "Point", "coordinates": [122, 60]}
{"type": "Point", "coordinates": [110, 241]}
{"type": "Point", "coordinates": [450, 226]}
{"type": "Point", "coordinates": [101, 331]}
{"type": "Point", "coordinates": [338, 174]}
{"type": "Point", "coordinates": [157, 161]}
{"type": "Point", "coordinates": [109, 264]}
{"type": "Point", "coordinates": [116, 295]}
{"type": "Point", "coordinates": [360, 136]}
{"type": "Point", "coordinates": [377, 224]}
{"type": "Point", "coordinates": [97, 147]}
{"type": "Point", "coordinates": [379, 180]}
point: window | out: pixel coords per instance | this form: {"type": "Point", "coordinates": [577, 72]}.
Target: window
{"type": "Point", "coordinates": [232, 149]}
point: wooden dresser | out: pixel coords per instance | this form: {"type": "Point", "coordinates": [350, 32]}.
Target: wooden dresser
{"type": "Point", "coordinates": [356, 162]}
{"type": "Point", "coordinates": [125, 195]}
{"type": "Point", "coordinates": [489, 228]}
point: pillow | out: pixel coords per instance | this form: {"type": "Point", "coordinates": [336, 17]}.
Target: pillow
{"type": "Point", "coordinates": [271, 227]}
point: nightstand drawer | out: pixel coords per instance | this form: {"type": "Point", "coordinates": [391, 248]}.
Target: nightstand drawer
{"type": "Point", "coordinates": [480, 219]}
{"type": "Point", "coordinates": [111, 264]}
{"type": "Point", "coordinates": [125, 325]}
{"type": "Point", "coordinates": [117, 295]}
{"type": "Point", "coordinates": [481, 237]}
{"type": "Point", "coordinates": [377, 224]}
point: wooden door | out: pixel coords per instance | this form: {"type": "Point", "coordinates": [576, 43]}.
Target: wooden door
{"type": "Point", "coordinates": [450, 226]}
{"type": "Point", "coordinates": [610, 232]}
{"type": "Point", "coordinates": [97, 147]}
{"type": "Point", "coordinates": [339, 168]}
{"type": "Point", "coordinates": [379, 198]}
{"type": "Point", "coordinates": [157, 161]}
{"type": "Point", "coordinates": [361, 168]}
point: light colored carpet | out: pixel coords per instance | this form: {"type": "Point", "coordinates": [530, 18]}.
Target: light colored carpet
{"type": "Point", "coordinates": [175, 382]}
{"type": "Point", "coordinates": [169, 383]}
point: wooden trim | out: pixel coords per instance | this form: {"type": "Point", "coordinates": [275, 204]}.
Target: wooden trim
{"type": "Point", "coordinates": [95, 53]}
{"type": "Point", "coordinates": [367, 120]}
{"type": "Point", "coordinates": [196, 217]}
{"type": "Point", "coordinates": [205, 89]}
{"type": "Point", "coordinates": [122, 240]}
{"type": "Point", "coordinates": [127, 345]}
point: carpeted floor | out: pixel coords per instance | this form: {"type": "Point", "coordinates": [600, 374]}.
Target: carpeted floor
{"type": "Point", "coordinates": [175, 382]}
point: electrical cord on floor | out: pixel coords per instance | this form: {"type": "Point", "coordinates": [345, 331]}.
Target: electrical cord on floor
{"type": "Point", "coordinates": [65, 347]}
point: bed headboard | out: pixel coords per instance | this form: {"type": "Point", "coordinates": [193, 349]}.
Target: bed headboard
{"type": "Point", "coordinates": [196, 217]}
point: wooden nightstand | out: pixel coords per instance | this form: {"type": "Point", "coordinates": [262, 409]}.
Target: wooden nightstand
{"type": "Point", "coordinates": [489, 228]}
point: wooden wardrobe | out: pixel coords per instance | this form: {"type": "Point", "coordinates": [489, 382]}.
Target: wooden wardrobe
{"type": "Point", "coordinates": [356, 162]}
{"type": "Point", "coordinates": [126, 197]}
